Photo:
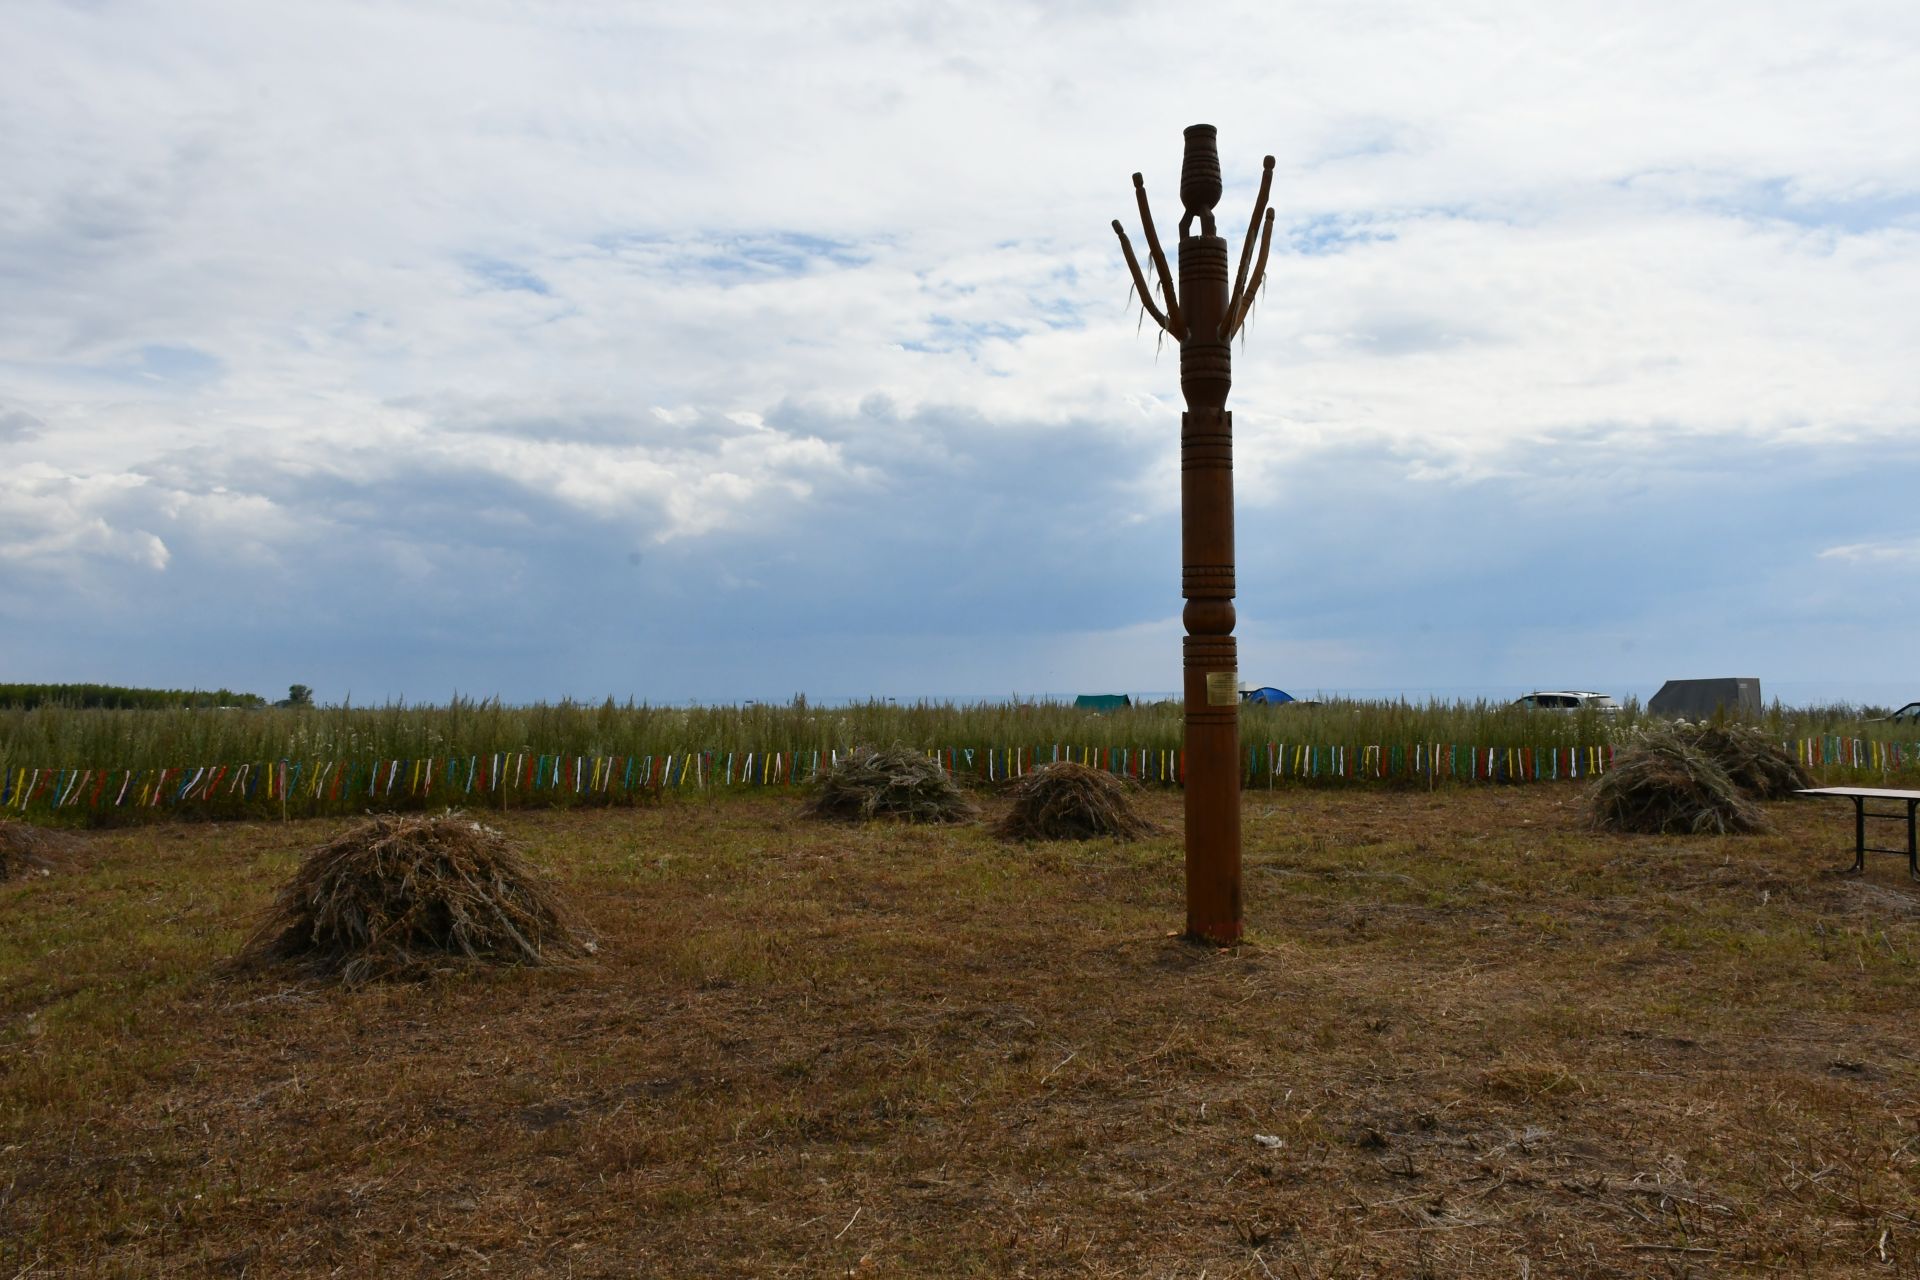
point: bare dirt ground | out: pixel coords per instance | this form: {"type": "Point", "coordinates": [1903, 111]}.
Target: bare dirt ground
{"type": "Point", "coordinates": [1466, 1038]}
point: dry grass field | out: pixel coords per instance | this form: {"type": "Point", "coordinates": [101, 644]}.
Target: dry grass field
{"type": "Point", "coordinates": [1466, 1038]}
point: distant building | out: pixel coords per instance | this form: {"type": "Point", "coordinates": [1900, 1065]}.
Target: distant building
{"type": "Point", "coordinates": [1102, 701]}
{"type": "Point", "coordinates": [1694, 699]}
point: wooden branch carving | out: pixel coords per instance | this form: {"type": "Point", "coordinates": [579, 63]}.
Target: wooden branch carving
{"type": "Point", "coordinates": [1237, 316]}
{"type": "Point", "coordinates": [1246, 250]}
{"type": "Point", "coordinates": [1139, 281]}
{"type": "Point", "coordinates": [1173, 324]}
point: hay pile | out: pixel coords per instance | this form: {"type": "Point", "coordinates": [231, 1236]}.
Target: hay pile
{"type": "Point", "coordinates": [399, 896]}
{"type": "Point", "coordinates": [1757, 764]}
{"type": "Point", "coordinates": [1067, 801]}
{"type": "Point", "coordinates": [897, 782]}
{"type": "Point", "coordinates": [27, 850]}
{"type": "Point", "coordinates": [1665, 785]}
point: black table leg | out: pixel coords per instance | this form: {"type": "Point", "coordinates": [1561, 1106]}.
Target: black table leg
{"type": "Point", "coordinates": [1859, 832]}
{"type": "Point", "coordinates": [1913, 841]}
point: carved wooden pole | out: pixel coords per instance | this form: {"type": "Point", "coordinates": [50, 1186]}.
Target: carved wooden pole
{"type": "Point", "coordinates": [1203, 317]}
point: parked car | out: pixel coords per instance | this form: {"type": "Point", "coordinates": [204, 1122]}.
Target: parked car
{"type": "Point", "coordinates": [1567, 700]}
{"type": "Point", "coordinates": [1909, 714]}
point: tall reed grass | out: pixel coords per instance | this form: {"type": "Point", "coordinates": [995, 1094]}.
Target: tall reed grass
{"type": "Point", "coordinates": [68, 738]}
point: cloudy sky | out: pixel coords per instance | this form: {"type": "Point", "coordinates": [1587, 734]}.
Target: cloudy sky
{"type": "Point", "coordinates": [736, 350]}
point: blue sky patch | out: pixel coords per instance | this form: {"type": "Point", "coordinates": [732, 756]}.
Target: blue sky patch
{"type": "Point", "coordinates": [501, 274]}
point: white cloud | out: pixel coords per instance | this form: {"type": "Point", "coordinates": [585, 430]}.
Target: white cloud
{"type": "Point", "coordinates": [16, 426]}
{"type": "Point", "coordinates": [1899, 553]}
{"type": "Point", "coordinates": [51, 523]}
{"type": "Point", "coordinates": [689, 274]}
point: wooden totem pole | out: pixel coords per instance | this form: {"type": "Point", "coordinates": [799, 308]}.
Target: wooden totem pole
{"type": "Point", "coordinates": [1203, 317]}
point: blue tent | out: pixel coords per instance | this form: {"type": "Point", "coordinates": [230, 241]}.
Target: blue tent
{"type": "Point", "coordinates": [1265, 693]}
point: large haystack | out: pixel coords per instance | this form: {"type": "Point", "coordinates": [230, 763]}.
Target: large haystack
{"type": "Point", "coordinates": [1666, 785]}
{"type": "Point", "coordinates": [1067, 801]}
{"type": "Point", "coordinates": [1757, 764]}
{"type": "Point", "coordinates": [897, 782]}
{"type": "Point", "coordinates": [28, 851]}
{"type": "Point", "coordinates": [399, 896]}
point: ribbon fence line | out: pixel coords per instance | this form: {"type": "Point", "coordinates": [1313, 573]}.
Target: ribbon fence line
{"type": "Point", "coordinates": [449, 778]}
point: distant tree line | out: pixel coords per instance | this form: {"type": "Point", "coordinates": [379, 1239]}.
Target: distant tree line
{"type": "Point", "coordinates": [114, 697]}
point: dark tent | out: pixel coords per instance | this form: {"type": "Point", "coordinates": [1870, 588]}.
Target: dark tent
{"type": "Point", "coordinates": [1740, 695]}
{"type": "Point", "coordinates": [1102, 701]}
{"type": "Point", "coordinates": [1265, 693]}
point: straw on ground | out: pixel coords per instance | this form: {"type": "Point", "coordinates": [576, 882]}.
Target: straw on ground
{"type": "Point", "coordinates": [398, 896]}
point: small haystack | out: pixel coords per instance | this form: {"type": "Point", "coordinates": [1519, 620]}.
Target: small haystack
{"type": "Point", "coordinates": [898, 782]}
{"type": "Point", "coordinates": [1666, 785]}
{"type": "Point", "coordinates": [1757, 764]}
{"type": "Point", "coordinates": [30, 851]}
{"type": "Point", "coordinates": [398, 896]}
{"type": "Point", "coordinates": [1067, 801]}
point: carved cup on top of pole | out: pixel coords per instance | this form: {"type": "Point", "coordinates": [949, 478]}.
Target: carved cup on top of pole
{"type": "Point", "coordinates": [1203, 315]}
